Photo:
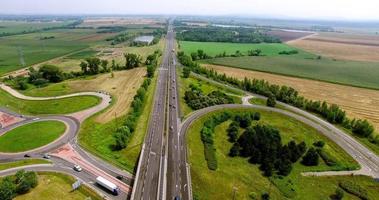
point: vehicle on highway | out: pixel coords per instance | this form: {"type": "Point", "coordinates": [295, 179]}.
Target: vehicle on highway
{"type": "Point", "coordinates": [27, 156]}
{"type": "Point", "coordinates": [46, 156]}
{"type": "Point", "coordinates": [78, 168]}
{"type": "Point", "coordinates": [177, 198]}
{"type": "Point", "coordinates": [107, 185]}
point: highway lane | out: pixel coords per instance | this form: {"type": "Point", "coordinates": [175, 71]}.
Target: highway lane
{"type": "Point", "coordinates": [150, 177]}
{"type": "Point", "coordinates": [177, 179]}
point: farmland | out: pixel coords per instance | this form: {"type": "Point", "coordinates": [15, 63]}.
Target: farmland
{"type": "Point", "coordinates": [16, 27]}
{"type": "Point", "coordinates": [354, 73]}
{"type": "Point", "coordinates": [30, 49]}
{"type": "Point", "coordinates": [214, 48]}
{"type": "Point", "coordinates": [362, 103]}
{"type": "Point", "coordinates": [31, 136]}
{"type": "Point", "coordinates": [341, 46]}
{"type": "Point", "coordinates": [246, 178]}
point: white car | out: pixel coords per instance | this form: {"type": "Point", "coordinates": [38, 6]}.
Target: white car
{"type": "Point", "coordinates": [78, 168]}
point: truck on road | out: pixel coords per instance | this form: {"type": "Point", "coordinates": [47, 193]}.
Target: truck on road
{"type": "Point", "coordinates": [108, 185]}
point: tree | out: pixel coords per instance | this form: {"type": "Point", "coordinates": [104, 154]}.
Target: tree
{"type": "Point", "coordinates": [285, 167]}
{"type": "Point", "coordinates": [93, 65]}
{"type": "Point", "coordinates": [234, 151]}
{"type": "Point", "coordinates": [271, 101]}
{"type": "Point", "coordinates": [150, 71]}
{"type": "Point", "coordinates": [51, 73]}
{"type": "Point", "coordinates": [362, 128]}
{"type": "Point", "coordinates": [311, 158]}
{"type": "Point", "coordinates": [186, 72]}
{"type": "Point", "coordinates": [265, 196]}
{"type": "Point", "coordinates": [319, 143]}
{"type": "Point", "coordinates": [338, 194]}
{"type": "Point", "coordinates": [132, 60]}
{"type": "Point", "coordinates": [84, 67]}
{"type": "Point", "coordinates": [104, 65]}
{"type": "Point", "coordinates": [7, 189]}
{"type": "Point", "coordinates": [120, 141]}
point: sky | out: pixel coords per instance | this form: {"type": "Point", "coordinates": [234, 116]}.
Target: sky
{"type": "Point", "coordinates": [304, 9]}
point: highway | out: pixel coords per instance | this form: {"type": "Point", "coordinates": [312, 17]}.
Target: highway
{"type": "Point", "coordinates": [151, 172]}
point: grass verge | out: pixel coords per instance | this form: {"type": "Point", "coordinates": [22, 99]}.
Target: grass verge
{"type": "Point", "coordinates": [54, 185]}
{"type": "Point", "coordinates": [55, 106]}
{"type": "Point", "coordinates": [31, 136]}
{"type": "Point", "coordinates": [239, 176]}
{"type": "Point", "coordinates": [20, 163]}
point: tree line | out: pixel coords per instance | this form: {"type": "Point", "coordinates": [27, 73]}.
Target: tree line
{"type": "Point", "coordinates": [331, 112]}
{"type": "Point", "coordinates": [90, 66]}
{"type": "Point", "coordinates": [219, 34]}
{"type": "Point", "coordinates": [20, 183]}
{"type": "Point", "coordinates": [122, 134]}
{"type": "Point", "coordinates": [196, 99]}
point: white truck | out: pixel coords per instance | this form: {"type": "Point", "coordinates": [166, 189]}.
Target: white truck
{"type": "Point", "coordinates": [108, 185]}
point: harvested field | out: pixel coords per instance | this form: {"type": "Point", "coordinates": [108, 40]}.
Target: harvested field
{"type": "Point", "coordinates": [341, 46]}
{"type": "Point", "coordinates": [286, 36]}
{"type": "Point", "coordinates": [118, 21]}
{"type": "Point", "coordinates": [123, 87]}
{"type": "Point", "coordinates": [358, 102]}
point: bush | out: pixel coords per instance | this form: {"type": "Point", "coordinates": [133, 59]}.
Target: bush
{"type": "Point", "coordinates": [327, 158]}
{"type": "Point", "coordinates": [362, 128]}
{"type": "Point", "coordinates": [319, 143]}
{"type": "Point", "coordinates": [311, 158]}
{"type": "Point", "coordinates": [271, 101]}
{"type": "Point", "coordinates": [355, 189]}
{"type": "Point", "coordinates": [338, 195]}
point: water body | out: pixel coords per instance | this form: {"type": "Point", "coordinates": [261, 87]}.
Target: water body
{"type": "Point", "coordinates": [145, 38]}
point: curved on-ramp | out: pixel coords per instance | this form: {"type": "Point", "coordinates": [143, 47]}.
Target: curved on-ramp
{"type": "Point", "coordinates": [368, 161]}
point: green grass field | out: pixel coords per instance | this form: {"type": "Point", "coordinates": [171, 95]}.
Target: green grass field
{"type": "Point", "coordinates": [56, 106]}
{"type": "Point", "coordinates": [360, 74]}
{"type": "Point", "coordinates": [26, 26]}
{"type": "Point", "coordinates": [33, 50]}
{"type": "Point", "coordinates": [303, 64]}
{"type": "Point", "coordinates": [214, 48]}
{"type": "Point", "coordinates": [53, 185]}
{"type": "Point", "coordinates": [246, 178]}
{"type": "Point", "coordinates": [24, 162]}
{"type": "Point", "coordinates": [205, 86]}
{"type": "Point", "coordinates": [31, 136]}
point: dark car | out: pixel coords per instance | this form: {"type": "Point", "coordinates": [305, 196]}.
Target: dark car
{"type": "Point", "coordinates": [26, 155]}
{"type": "Point", "coordinates": [177, 198]}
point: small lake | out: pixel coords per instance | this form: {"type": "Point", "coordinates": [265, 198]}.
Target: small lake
{"type": "Point", "coordinates": [145, 38]}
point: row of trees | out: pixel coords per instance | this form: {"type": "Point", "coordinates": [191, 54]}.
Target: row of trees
{"type": "Point", "coordinates": [123, 133]}
{"type": "Point", "coordinates": [333, 113]}
{"type": "Point", "coordinates": [200, 54]}
{"type": "Point", "coordinates": [220, 34]}
{"type": "Point", "coordinates": [207, 138]}
{"type": "Point", "coordinates": [20, 183]}
{"type": "Point", "coordinates": [196, 99]}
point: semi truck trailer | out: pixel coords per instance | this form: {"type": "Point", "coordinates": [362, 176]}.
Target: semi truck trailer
{"type": "Point", "coordinates": [108, 185]}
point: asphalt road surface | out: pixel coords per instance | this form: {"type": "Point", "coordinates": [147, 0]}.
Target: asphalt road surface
{"type": "Point", "coordinates": [150, 177]}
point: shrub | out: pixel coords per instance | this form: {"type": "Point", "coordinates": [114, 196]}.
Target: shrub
{"type": "Point", "coordinates": [311, 158]}
{"type": "Point", "coordinates": [355, 189]}
{"type": "Point", "coordinates": [319, 143]}
{"type": "Point", "coordinates": [327, 158]}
